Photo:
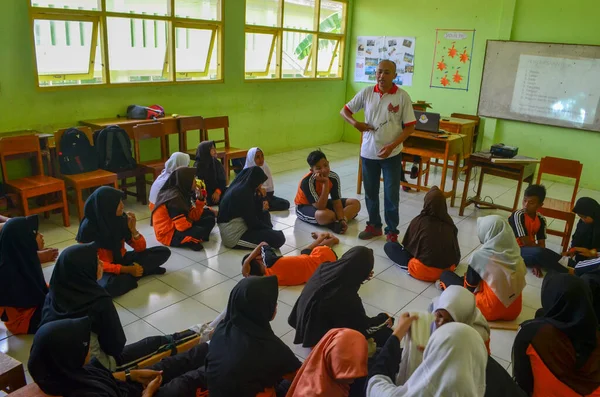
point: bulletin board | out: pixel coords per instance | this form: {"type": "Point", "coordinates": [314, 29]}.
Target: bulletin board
{"type": "Point", "coordinates": [370, 50]}
{"type": "Point", "coordinates": [452, 59]}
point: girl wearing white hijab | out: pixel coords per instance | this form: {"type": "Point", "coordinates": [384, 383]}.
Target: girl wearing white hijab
{"type": "Point", "coordinates": [256, 157]}
{"type": "Point", "coordinates": [454, 364]}
{"type": "Point", "coordinates": [496, 272]}
{"type": "Point", "coordinates": [176, 160]}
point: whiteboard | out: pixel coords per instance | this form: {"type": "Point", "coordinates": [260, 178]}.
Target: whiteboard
{"type": "Point", "coordinates": [543, 83]}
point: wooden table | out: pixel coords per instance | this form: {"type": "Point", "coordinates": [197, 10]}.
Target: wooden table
{"type": "Point", "coordinates": [47, 147]}
{"type": "Point", "coordinates": [170, 123]}
{"type": "Point", "coordinates": [430, 145]}
{"type": "Point", "coordinates": [466, 127]}
{"type": "Point", "coordinates": [522, 171]}
{"type": "Point", "coordinates": [12, 375]}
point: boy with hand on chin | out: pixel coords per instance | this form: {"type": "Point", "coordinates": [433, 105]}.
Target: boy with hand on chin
{"type": "Point", "coordinates": [529, 227]}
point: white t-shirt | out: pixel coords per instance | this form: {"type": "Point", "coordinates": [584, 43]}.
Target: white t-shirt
{"type": "Point", "coordinates": [386, 113]}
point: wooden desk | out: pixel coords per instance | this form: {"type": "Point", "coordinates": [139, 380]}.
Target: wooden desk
{"type": "Point", "coordinates": [12, 375]}
{"type": "Point", "coordinates": [465, 127]}
{"type": "Point", "coordinates": [520, 172]}
{"type": "Point", "coordinates": [170, 123]}
{"type": "Point", "coordinates": [425, 144]}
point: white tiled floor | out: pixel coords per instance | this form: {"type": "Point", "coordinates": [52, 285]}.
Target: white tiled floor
{"type": "Point", "coordinates": [197, 284]}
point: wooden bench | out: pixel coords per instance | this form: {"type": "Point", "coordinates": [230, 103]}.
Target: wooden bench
{"type": "Point", "coordinates": [12, 375]}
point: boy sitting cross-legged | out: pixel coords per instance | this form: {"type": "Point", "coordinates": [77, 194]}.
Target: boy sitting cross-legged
{"type": "Point", "coordinates": [290, 270]}
{"type": "Point", "coordinates": [529, 227]}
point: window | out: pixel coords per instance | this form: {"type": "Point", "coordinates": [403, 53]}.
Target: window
{"type": "Point", "coordinates": [295, 39]}
{"type": "Point", "coordinates": [95, 42]}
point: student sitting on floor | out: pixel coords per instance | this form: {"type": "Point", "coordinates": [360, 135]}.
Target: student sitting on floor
{"type": "Point", "coordinates": [256, 157]}
{"type": "Point", "coordinates": [290, 270]}
{"type": "Point", "coordinates": [496, 272]}
{"type": "Point", "coordinates": [245, 358]}
{"type": "Point", "coordinates": [180, 218]}
{"type": "Point", "coordinates": [176, 160]}
{"type": "Point", "coordinates": [313, 204]}
{"type": "Point", "coordinates": [45, 254]}
{"type": "Point", "coordinates": [106, 225]}
{"type": "Point", "coordinates": [454, 364]}
{"type": "Point", "coordinates": [586, 239]}
{"type": "Point", "coordinates": [529, 227]}
{"type": "Point", "coordinates": [74, 292]}
{"type": "Point", "coordinates": [558, 353]}
{"type": "Point", "coordinates": [430, 244]}
{"type": "Point", "coordinates": [330, 300]}
{"type": "Point", "coordinates": [243, 221]}
{"type": "Point", "coordinates": [22, 285]}
{"type": "Point", "coordinates": [61, 365]}
{"type": "Point", "coordinates": [210, 170]}
{"type": "Point", "coordinates": [335, 362]}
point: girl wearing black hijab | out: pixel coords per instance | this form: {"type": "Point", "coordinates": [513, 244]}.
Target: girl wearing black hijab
{"type": "Point", "coordinates": [22, 285]}
{"type": "Point", "coordinates": [74, 292]}
{"type": "Point", "coordinates": [179, 217]}
{"type": "Point", "coordinates": [558, 353]}
{"type": "Point", "coordinates": [243, 220]}
{"type": "Point", "coordinates": [330, 300]}
{"type": "Point", "coordinates": [245, 358]}
{"type": "Point", "coordinates": [109, 227]}
{"type": "Point", "coordinates": [211, 171]}
{"type": "Point", "coordinates": [60, 365]}
{"type": "Point", "coordinates": [585, 243]}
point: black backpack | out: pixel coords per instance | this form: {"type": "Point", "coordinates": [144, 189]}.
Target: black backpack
{"type": "Point", "coordinates": [114, 149]}
{"type": "Point", "coordinates": [76, 153]}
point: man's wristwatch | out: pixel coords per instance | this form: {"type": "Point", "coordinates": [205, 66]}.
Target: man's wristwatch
{"type": "Point", "coordinates": [127, 375]}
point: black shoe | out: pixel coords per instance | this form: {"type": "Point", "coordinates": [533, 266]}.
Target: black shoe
{"type": "Point", "coordinates": [414, 172]}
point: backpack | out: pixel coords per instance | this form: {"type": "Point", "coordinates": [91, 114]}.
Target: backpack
{"type": "Point", "coordinates": [114, 149]}
{"type": "Point", "coordinates": [76, 153]}
{"type": "Point", "coordinates": [137, 112]}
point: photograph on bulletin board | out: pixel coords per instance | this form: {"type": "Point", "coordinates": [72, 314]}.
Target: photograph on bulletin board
{"type": "Point", "coordinates": [370, 50]}
{"type": "Point", "coordinates": [452, 59]}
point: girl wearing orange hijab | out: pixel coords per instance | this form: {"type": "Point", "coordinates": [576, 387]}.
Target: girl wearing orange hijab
{"type": "Point", "coordinates": [335, 362]}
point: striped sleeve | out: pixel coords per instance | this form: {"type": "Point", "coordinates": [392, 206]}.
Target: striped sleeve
{"type": "Point", "coordinates": [309, 188]}
{"type": "Point", "coordinates": [517, 223]}
{"type": "Point", "coordinates": [541, 234]}
{"type": "Point", "coordinates": [336, 186]}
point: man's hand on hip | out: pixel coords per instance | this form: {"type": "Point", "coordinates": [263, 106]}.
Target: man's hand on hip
{"type": "Point", "coordinates": [385, 151]}
{"type": "Point", "coordinates": [362, 127]}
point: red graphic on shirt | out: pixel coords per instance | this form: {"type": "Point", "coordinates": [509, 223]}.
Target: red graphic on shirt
{"type": "Point", "coordinates": [444, 81]}
{"type": "Point", "coordinates": [452, 52]}
{"type": "Point", "coordinates": [393, 109]}
{"type": "Point", "coordinates": [464, 57]}
{"type": "Point", "coordinates": [457, 78]}
{"type": "Point", "coordinates": [441, 65]}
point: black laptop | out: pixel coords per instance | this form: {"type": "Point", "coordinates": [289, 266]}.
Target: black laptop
{"type": "Point", "coordinates": [428, 122]}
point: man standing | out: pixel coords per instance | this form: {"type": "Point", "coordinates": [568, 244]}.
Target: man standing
{"type": "Point", "coordinates": [387, 109]}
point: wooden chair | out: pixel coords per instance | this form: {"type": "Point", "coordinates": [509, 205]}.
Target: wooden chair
{"type": "Point", "coordinates": [32, 186]}
{"type": "Point", "coordinates": [225, 153]}
{"type": "Point", "coordinates": [86, 180]}
{"type": "Point", "coordinates": [191, 123]}
{"type": "Point", "coordinates": [561, 209]}
{"type": "Point", "coordinates": [147, 131]}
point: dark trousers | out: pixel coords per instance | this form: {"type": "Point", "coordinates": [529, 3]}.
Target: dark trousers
{"type": "Point", "coordinates": [543, 258]}
{"type": "Point", "coordinates": [398, 254]}
{"type": "Point", "coordinates": [592, 279]}
{"type": "Point", "coordinates": [200, 230]}
{"type": "Point", "coordinates": [182, 375]}
{"type": "Point", "coordinates": [392, 174]}
{"type": "Point", "coordinates": [150, 259]}
{"type": "Point", "coordinates": [275, 238]}
{"type": "Point", "coordinates": [277, 203]}
{"type": "Point", "coordinates": [35, 320]}
{"type": "Point", "coordinates": [449, 278]}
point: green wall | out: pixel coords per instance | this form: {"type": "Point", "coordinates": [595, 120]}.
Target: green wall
{"type": "Point", "coordinates": [278, 116]}
{"type": "Point", "coordinates": [524, 20]}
